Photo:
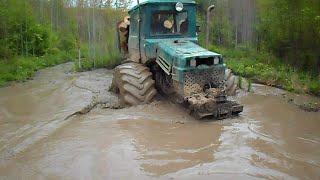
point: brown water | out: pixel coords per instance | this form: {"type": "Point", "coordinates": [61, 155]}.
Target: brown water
{"type": "Point", "coordinates": [272, 139]}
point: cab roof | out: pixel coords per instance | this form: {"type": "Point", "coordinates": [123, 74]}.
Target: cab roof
{"type": "Point", "coordinates": [162, 1]}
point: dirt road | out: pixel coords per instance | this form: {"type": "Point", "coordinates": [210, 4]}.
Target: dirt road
{"type": "Point", "coordinates": [45, 134]}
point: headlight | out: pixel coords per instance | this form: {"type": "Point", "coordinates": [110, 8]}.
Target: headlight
{"type": "Point", "coordinates": [193, 63]}
{"type": "Point", "coordinates": [216, 60]}
{"type": "Point", "coordinates": [179, 6]}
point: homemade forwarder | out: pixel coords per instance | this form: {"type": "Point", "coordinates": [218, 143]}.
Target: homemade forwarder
{"type": "Point", "coordinates": [160, 40]}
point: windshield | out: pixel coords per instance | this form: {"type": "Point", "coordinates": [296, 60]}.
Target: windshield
{"type": "Point", "coordinates": [169, 23]}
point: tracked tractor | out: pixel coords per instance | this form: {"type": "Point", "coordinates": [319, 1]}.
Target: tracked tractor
{"type": "Point", "coordinates": [160, 42]}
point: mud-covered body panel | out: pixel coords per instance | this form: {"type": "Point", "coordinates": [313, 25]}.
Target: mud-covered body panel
{"type": "Point", "coordinates": [174, 58]}
{"type": "Point", "coordinates": [199, 84]}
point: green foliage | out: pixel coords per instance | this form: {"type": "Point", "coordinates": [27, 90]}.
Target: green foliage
{"type": "Point", "coordinates": [221, 28]}
{"type": "Point", "coordinates": [20, 33]}
{"type": "Point", "coordinates": [29, 42]}
{"type": "Point", "coordinates": [204, 4]}
{"type": "Point", "coordinates": [314, 86]}
{"type": "Point", "coordinates": [100, 52]}
{"type": "Point", "coordinates": [267, 69]}
{"type": "Point", "coordinates": [38, 37]}
{"type": "Point", "coordinates": [290, 29]}
{"type": "Point", "coordinates": [109, 59]}
{"type": "Point", "coordinates": [23, 68]}
{"type": "Point", "coordinates": [67, 42]}
{"type": "Point", "coordinates": [5, 51]}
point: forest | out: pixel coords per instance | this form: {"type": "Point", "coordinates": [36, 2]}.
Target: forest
{"type": "Point", "coordinates": [275, 42]}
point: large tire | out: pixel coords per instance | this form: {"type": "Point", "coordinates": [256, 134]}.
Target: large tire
{"type": "Point", "coordinates": [231, 83]}
{"type": "Point", "coordinates": [134, 83]}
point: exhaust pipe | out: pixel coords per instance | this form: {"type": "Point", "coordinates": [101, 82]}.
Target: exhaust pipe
{"type": "Point", "coordinates": [209, 10]}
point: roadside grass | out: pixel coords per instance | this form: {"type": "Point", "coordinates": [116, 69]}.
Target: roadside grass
{"type": "Point", "coordinates": [100, 54]}
{"type": "Point", "coordinates": [103, 58]}
{"type": "Point", "coordinates": [23, 68]}
{"type": "Point", "coordinates": [264, 68]}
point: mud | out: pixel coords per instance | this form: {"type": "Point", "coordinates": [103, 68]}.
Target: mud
{"type": "Point", "coordinates": [49, 129]}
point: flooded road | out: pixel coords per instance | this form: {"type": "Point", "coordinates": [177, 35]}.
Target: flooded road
{"type": "Point", "coordinates": [272, 139]}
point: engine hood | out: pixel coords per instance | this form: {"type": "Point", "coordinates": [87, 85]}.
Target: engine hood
{"type": "Point", "coordinates": [184, 49]}
{"type": "Point", "coordinates": [179, 54]}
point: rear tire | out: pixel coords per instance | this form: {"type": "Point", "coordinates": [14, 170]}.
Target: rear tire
{"type": "Point", "coordinates": [134, 83]}
{"type": "Point", "coordinates": [231, 83]}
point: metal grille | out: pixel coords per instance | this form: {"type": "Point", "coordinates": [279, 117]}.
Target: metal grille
{"type": "Point", "coordinates": [195, 81]}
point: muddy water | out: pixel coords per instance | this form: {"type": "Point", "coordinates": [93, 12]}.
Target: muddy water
{"type": "Point", "coordinates": [272, 139]}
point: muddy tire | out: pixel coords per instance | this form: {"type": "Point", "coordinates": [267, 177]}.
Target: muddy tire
{"type": "Point", "coordinates": [134, 84]}
{"type": "Point", "coordinates": [231, 83]}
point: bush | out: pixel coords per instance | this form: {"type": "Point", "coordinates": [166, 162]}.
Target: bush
{"type": "Point", "coordinates": [23, 68]}
{"type": "Point", "coordinates": [20, 34]}
{"type": "Point", "coordinates": [5, 51]}
{"type": "Point", "coordinates": [67, 43]}
{"type": "Point", "coordinates": [264, 68]}
{"type": "Point", "coordinates": [39, 37]}
{"type": "Point", "coordinates": [314, 87]}
{"type": "Point", "coordinates": [105, 61]}
{"type": "Point", "coordinates": [104, 58]}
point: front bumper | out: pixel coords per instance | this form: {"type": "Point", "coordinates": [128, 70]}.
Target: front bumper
{"type": "Point", "coordinates": [207, 105]}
